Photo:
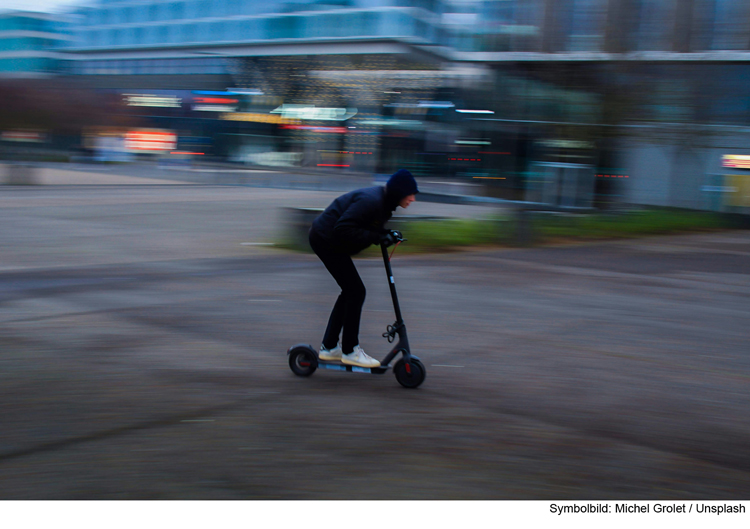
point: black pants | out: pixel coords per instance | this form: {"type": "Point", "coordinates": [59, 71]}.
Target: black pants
{"type": "Point", "coordinates": [347, 311]}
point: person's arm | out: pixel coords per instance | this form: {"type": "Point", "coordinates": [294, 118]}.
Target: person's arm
{"type": "Point", "coordinates": [354, 225]}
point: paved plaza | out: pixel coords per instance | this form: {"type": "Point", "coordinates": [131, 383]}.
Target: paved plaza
{"type": "Point", "coordinates": [143, 331]}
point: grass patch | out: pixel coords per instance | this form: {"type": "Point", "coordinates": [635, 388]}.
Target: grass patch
{"type": "Point", "coordinates": [551, 228]}
{"type": "Point", "coordinates": [548, 228]}
{"type": "Point", "coordinates": [453, 233]}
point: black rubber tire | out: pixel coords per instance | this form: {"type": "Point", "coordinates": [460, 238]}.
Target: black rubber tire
{"type": "Point", "coordinates": [410, 376]}
{"type": "Point", "coordinates": [303, 361]}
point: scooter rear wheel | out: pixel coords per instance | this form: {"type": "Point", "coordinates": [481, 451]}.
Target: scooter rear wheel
{"type": "Point", "coordinates": [303, 361]}
{"type": "Point", "coordinates": [411, 374]}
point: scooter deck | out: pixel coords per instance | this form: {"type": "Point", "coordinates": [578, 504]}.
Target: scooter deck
{"type": "Point", "coordinates": [337, 366]}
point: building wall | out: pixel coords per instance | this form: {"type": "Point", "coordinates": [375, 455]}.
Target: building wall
{"type": "Point", "coordinates": [167, 39]}
{"type": "Point", "coordinates": [29, 44]}
{"type": "Point", "coordinates": [159, 23]}
{"type": "Point", "coordinates": [678, 174]}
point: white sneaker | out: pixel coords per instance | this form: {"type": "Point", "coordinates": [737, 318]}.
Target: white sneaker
{"type": "Point", "coordinates": [331, 355]}
{"type": "Point", "coordinates": [359, 358]}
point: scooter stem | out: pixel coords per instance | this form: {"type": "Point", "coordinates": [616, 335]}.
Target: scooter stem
{"type": "Point", "coordinates": [402, 346]}
{"type": "Point", "coordinates": [391, 285]}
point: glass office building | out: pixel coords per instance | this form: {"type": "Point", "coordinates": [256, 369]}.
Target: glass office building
{"type": "Point", "coordinates": [150, 37]}
{"type": "Point", "coordinates": [108, 34]}
{"type": "Point", "coordinates": [30, 44]}
{"type": "Point", "coordinates": [559, 75]}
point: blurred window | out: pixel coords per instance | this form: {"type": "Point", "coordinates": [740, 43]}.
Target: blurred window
{"type": "Point", "coordinates": [163, 11]}
{"type": "Point", "coordinates": [313, 26]}
{"type": "Point", "coordinates": [192, 9]}
{"type": "Point", "coordinates": [283, 27]}
{"type": "Point", "coordinates": [128, 14]}
{"type": "Point", "coordinates": [207, 8]}
{"type": "Point", "coordinates": [124, 36]}
{"type": "Point", "coordinates": [150, 34]}
{"type": "Point", "coordinates": [162, 66]}
{"type": "Point", "coordinates": [421, 29]}
{"type": "Point", "coordinates": [116, 15]}
{"type": "Point", "coordinates": [729, 31]}
{"type": "Point", "coordinates": [254, 8]}
{"type": "Point", "coordinates": [137, 67]}
{"type": "Point", "coordinates": [177, 10]}
{"type": "Point", "coordinates": [32, 24]}
{"type": "Point", "coordinates": [95, 38]}
{"type": "Point", "coordinates": [9, 44]}
{"type": "Point", "coordinates": [656, 25]}
{"type": "Point", "coordinates": [233, 7]}
{"type": "Point", "coordinates": [725, 94]}
{"type": "Point", "coordinates": [174, 33]}
{"type": "Point", "coordinates": [202, 31]}
{"type": "Point", "coordinates": [189, 32]}
{"type": "Point", "coordinates": [587, 25]}
{"type": "Point", "coordinates": [250, 29]}
{"type": "Point", "coordinates": [130, 36]}
{"type": "Point", "coordinates": [108, 37]}
{"type": "Point", "coordinates": [219, 66]}
{"type": "Point", "coordinates": [219, 31]}
{"type": "Point", "coordinates": [370, 23]}
{"type": "Point", "coordinates": [202, 66]}
{"type": "Point", "coordinates": [96, 16]}
{"type": "Point", "coordinates": [395, 23]}
{"type": "Point", "coordinates": [219, 9]}
{"type": "Point", "coordinates": [463, 40]}
{"type": "Point", "coordinates": [155, 66]}
{"type": "Point", "coordinates": [234, 30]}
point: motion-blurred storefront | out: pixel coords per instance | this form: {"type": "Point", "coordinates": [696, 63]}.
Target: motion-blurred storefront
{"type": "Point", "coordinates": [575, 102]}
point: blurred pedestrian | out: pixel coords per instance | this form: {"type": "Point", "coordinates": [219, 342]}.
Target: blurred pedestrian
{"type": "Point", "coordinates": [350, 224]}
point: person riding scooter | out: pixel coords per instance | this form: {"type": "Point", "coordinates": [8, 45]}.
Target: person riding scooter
{"type": "Point", "coordinates": [350, 224]}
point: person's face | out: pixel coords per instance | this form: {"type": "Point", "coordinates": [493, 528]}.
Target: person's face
{"type": "Point", "coordinates": [407, 200]}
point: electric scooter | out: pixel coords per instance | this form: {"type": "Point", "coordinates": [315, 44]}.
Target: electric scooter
{"type": "Point", "coordinates": [409, 370]}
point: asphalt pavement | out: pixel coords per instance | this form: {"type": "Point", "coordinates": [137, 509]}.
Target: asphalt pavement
{"type": "Point", "coordinates": [143, 338]}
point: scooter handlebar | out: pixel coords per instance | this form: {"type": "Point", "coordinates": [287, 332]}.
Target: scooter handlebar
{"type": "Point", "coordinates": [391, 238]}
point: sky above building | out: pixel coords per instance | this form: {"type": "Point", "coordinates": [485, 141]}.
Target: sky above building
{"type": "Point", "coordinates": [44, 6]}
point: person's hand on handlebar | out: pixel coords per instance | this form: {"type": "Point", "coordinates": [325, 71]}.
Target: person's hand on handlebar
{"type": "Point", "coordinates": [391, 238]}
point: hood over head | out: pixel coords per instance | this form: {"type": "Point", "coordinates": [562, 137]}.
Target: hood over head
{"type": "Point", "coordinates": [401, 184]}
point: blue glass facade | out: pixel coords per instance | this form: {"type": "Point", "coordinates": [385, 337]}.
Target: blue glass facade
{"type": "Point", "coordinates": [139, 27]}
{"type": "Point", "coordinates": [190, 22]}
{"type": "Point", "coordinates": [29, 43]}
{"type": "Point", "coordinates": [463, 26]}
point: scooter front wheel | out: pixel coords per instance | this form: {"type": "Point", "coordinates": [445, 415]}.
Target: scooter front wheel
{"type": "Point", "coordinates": [410, 374]}
{"type": "Point", "coordinates": [303, 361]}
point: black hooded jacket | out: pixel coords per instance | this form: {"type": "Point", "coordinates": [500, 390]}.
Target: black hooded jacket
{"type": "Point", "coordinates": [355, 220]}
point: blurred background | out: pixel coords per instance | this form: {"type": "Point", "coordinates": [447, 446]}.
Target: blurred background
{"type": "Point", "coordinates": [144, 323]}
{"type": "Point", "coordinates": [567, 102]}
